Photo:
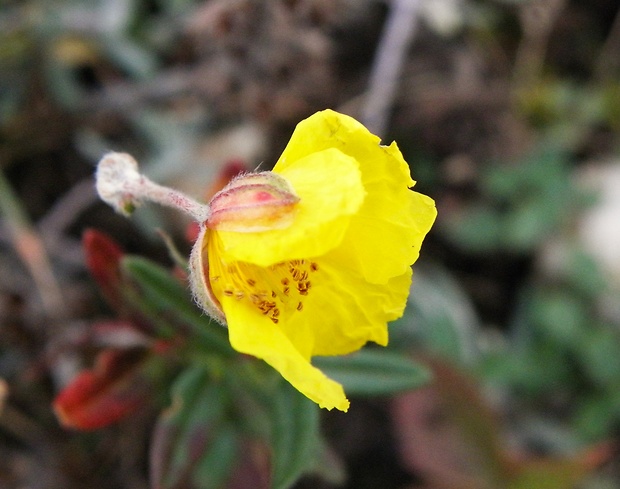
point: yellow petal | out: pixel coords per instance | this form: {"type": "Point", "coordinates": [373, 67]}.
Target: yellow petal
{"type": "Point", "coordinates": [330, 190]}
{"type": "Point", "coordinates": [330, 129]}
{"type": "Point", "coordinates": [320, 306]}
{"type": "Point", "coordinates": [262, 338]}
{"type": "Point", "coordinates": [345, 312]}
{"type": "Point", "coordinates": [384, 237]}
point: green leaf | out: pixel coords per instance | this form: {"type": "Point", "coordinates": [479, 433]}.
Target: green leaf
{"type": "Point", "coordinates": [194, 445]}
{"type": "Point", "coordinates": [328, 466]}
{"type": "Point", "coordinates": [595, 416]}
{"type": "Point", "coordinates": [252, 385]}
{"type": "Point", "coordinates": [139, 62]}
{"type": "Point", "coordinates": [527, 224]}
{"type": "Point", "coordinates": [295, 439]}
{"type": "Point", "coordinates": [584, 274]}
{"type": "Point", "coordinates": [215, 466]}
{"type": "Point", "coordinates": [560, 316]}
{"type": "Point", "coordinates": [536, 370]}
{"type": "Point", "coordinates": [439, 317]}
{"type": "Point", "coordinates": [374, 372]}
{"type": "Point", "coordinates": [599, 355]}
{"type": "Point", "coordinates": [165, 295]}
{"type": "Point", "coordinates": [477, 229]}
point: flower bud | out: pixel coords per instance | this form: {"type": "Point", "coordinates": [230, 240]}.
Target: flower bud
{"type": "Point", "coordinates": [117, 174]}
{"type": "Point", "coordinates": [253, 202]}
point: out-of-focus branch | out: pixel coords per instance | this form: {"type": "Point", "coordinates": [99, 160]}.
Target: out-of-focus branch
{"type": "Point", "coordinates": [60, 216]}
{"type": "Point", "coordinates": [398, 33]}
{"type": "Point", "coordinates": [29, 247]}
{"type": "Point", "coordinates": [608, 61]}
{"type": "Point", "coordinates": [129, 95]}
{"type": "Point", "coordinates": [537, 21]}
{"type": "Point", "coordinates": [15, 422]}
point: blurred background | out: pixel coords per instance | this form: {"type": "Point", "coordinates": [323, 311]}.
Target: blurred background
{"type": "Point", "coordinates": [508, 112]}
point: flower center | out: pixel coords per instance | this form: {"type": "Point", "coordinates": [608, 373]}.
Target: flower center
{"type": "Point", "coordinates": [280, 287]}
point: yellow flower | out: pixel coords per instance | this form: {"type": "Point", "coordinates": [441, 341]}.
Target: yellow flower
{"type": "Point", "coordinates": [325, 260]}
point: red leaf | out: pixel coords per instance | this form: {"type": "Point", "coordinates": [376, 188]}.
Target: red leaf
{"type": "Point", "coordinates": [112, 390]}
{"type": "Point", "coordinates": [448, 435]}
{"type": "Point", "coordinates": [103, 257]}
{"type": "Point", "coordinates": [252, 470]}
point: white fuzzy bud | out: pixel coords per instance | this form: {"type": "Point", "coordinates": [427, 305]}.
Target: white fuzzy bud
{"type": "Point", "coordinates": [117, 180]}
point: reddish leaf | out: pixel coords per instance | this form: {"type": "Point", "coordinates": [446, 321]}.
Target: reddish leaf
{"type": "Point", "coordinates": [556, 472]}
{"type": "Point", "coordinates": [448, 434]}
{"type": "Point", "coordinates": [103, 257]}
{"type": "Point", "coordinates": [96, 398]}
{"type": "Point", "coordinates": [252, 470]}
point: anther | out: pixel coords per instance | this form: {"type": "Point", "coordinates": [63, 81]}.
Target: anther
{"type": "Point", "coordinates": [303, 287]}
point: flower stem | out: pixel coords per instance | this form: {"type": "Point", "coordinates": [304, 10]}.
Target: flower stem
{"type": "Point", "coordinates": [121, 185]}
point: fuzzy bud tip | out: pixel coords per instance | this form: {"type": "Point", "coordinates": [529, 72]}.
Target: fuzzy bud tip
{"type": "Point", "coordinates": [117, 178]}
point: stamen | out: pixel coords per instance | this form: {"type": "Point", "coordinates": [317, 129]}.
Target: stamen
{"type": "Point", "coordinates": [255, 298]}
{"type": "Point", "coordinates": [270, 289]}
{"type": "Point", "coordinates": [304, 287]}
